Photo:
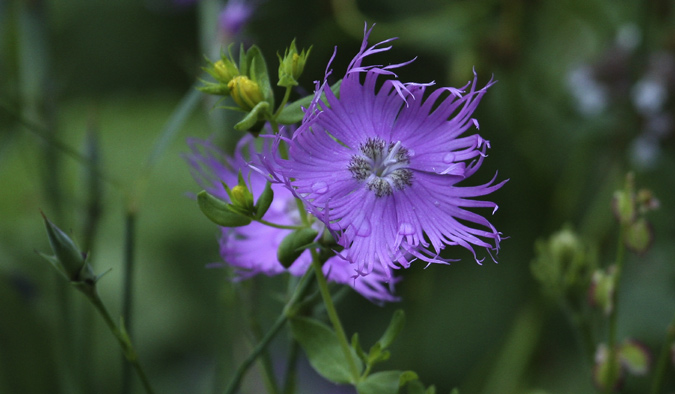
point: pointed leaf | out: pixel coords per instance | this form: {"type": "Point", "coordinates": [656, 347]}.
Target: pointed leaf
{"type": "Point", "coordinates": [258, 73]}
{"type": "Point", "coordinates": [264, 201]}
{"type": "Point", "coordinates": [388, 382]}
{"type": "Point", "coordinates": [394, 328]}
{"type": "Point", "coordinates": [219, 212]}
{"type": "Point", "coordinates": [251, 118]}
{"type": "Point", "coordinates": [323, 349]}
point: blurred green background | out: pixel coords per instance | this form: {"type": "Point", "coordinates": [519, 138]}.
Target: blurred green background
{"type": "Point", "coordinates": [586, 93]}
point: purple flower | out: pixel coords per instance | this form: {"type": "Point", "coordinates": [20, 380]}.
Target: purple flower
{"type": "Point", "coordinates": [234, 17]}
{"type": "Point", "coordinates": [252, 249]}
{"type": "Point", "coordinates": [380, 167]}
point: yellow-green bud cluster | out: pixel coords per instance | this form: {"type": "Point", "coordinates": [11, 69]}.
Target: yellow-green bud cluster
{"type": "Point", "coordinates": [564, 265]}
{"type": "Point", "coordinates": [630, 209]}
{"type": "Point", "coordinates": [245, 92]}
{"type": "Point", "coordinates": [292, 65]}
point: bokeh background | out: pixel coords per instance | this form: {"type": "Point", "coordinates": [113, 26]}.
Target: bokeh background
{"type": "Point", "coordinates": [586, 93]}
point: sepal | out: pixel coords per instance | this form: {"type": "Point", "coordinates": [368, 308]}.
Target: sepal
{"type": "Point", "coordinates": [294, 244]}
{"type": "Point", "coordinates": [220, 212]}
{"type": "Point", "coordinates": [264, 201]}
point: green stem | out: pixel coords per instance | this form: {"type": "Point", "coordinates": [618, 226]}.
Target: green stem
{"type": "Point", "coordinates": [612, 338]}
{"type": "Point", "coordinates": [291, 367]}
{"type": "Point", "coordinates": [122, 338]}
{"type": "Point", "coordinates": [128, 276]}
{"type": "Point", "coordinates": [662, 362]}
{"type": "Point", "coordinates": [287, 94]}
{"type": "Point", "coordinates": [333, 316]}
{"type": "Point", "coordinates": [289, 310]}
{"type": "Point", "coordinates": [281, 226]}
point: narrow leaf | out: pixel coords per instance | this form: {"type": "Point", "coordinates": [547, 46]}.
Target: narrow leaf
{"type": "Point", "coordinates": [264, 201]}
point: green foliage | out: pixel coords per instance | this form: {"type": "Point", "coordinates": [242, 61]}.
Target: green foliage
{"type": "Point", "coordinates": [292, 65]}
{"type": "Point", "coordinates": [294, 244]}
{"type": "Point", "coordinates": [292, 113]}
{"type": "Point", "coordinates": [264, 201]}
{"type": "Point", "coordinates": [220, 212]}
{"type": "Point", "coordinates": [323, 349]}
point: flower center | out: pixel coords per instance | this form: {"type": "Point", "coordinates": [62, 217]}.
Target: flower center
{"type": "Point", "coordinates": [382, 166]}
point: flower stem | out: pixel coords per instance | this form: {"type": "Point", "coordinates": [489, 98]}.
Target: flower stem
{"type": "Point", "coordinates": [287, 94]}
{"type": "Point", "coordinates": [120, 334]}
{"type": "Point", "coordinates": [611, 340]}
{"type": "Point", "coordinates": [281, 226]}
{"type": "Point", "coordinates": [128, 276]}
{"type": "Point", "coordinates": [288, 311]}
{"type": "Point", "coordinates": [333, 316]}
{"type": "Point", "coordinates": [662, 362]}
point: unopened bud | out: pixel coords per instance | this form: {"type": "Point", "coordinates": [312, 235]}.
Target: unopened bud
{"type": "Point", "coordinates": [245, 92]}
{"type": "Point", "coordinates": [635, 357]}
{"type": "Point", "coordinates": [292, 65]}
{"type": "Point", "coordinates": [225, 70]}
{"type": "Point", "coordinates": [601, 292]}
{"type": "Point", "coordinates": [639, 236]}
{"type": "Point", "coordinates": [242, 198]}
{"type": "Point", "coordinates": [606, 372]}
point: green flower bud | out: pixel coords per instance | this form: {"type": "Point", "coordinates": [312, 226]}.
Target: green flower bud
{"type": "Point", "coordinates": [639, 236]}
{"type": "Point", "coordinates": [224, 70]}
{"type": "Point", "coordinates": [623, 203]}
{"type": "Point", "coordinates": [67, 259]}
{"type": "Point", "coordinates": [292, 65]}
{"type": "Point", "coordinates": [603, 368]}
{"type": "Point", "coordinates": [601, 292]}
{"type": "Point", "coordinates": [635, 357]}
{"type": "Point", "coordinates": [245, 92]}
{"type": "Point", "coordinates": [564, 265]}
{"type": "Point", "coordinates": [242, 198]}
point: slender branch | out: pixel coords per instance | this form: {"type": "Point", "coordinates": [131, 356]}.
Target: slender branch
{"type": "Point", "coordinates": [287, 94]}
{"type": "Point", "coordinates": [662, 362]}
{"type": "Point", "coordinates": [333, 316]}
{"type": "Point", "coordinates": [122, 337]}
{"type": "Point", "coordinates": [280, 226]}
{"type": "Point", "coordinates": [288, 311]}
{"type": "Point", "coordinates": [612, 371]}
{"type": "Point", "coordinates": [128, 280]}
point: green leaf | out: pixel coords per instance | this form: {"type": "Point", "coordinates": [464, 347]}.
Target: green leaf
{"type": "Point", "coordinates": [292, 113]}
{"type": "Point", "coordinates": [219, 212]}
{"type": "Point", "coordinates": [394, 328]}
{"type": "Point", "coordinates": [387, 382]}
{"type": "Point", "coordinates": [357, 347]}
{"type": "Point", "coordinates": [256, 114]}
{"type": "Point", "coordinates": [294, 244]}
{"type": "Point", "coordinates": [258, 73]}
{"type": "Point", "coordinates": [415, 387]}
{"type": "Point", "coordinates": [323, 349]}
{"type": "Point", "coordinates": [264, 201]}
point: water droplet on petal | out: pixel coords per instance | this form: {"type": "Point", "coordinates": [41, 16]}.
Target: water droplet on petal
{"type": "Point", "coordinates": [320, 187]}
{"type": "Point", "coordinates": [449, 158]}
{"type": "Point", "coordinates": [406, 229]}
{"type": "Point", "coordinates": [411, 152]}
{"type": "Point", "coordinates": [437, 203]}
